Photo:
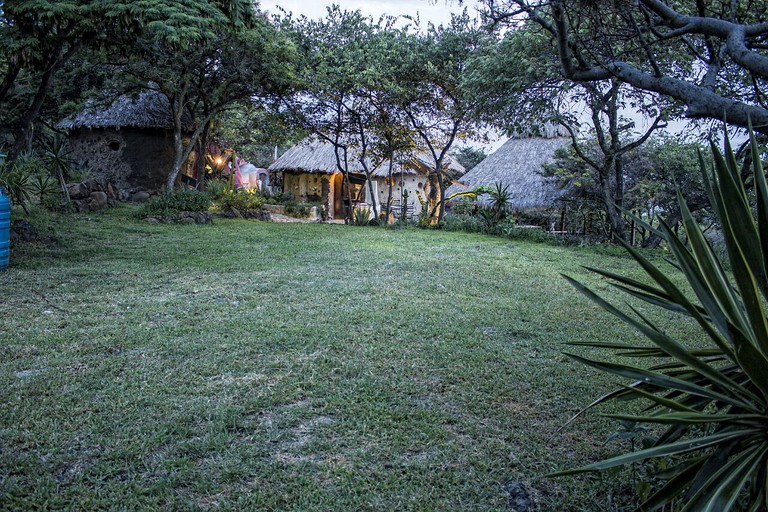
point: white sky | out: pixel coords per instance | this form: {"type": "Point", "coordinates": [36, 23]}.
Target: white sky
{"type": "Point", "coordinates": [435, 11]}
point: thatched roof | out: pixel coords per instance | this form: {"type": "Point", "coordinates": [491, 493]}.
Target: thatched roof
{"type": "Point", "coordinates": [518, 163]}
{"type": "Point", "coordinates": [146, 109]}
{"type": "Point", "coordinates": [420, 163]}
{"type": "Point", "coordinates": [313, 155]}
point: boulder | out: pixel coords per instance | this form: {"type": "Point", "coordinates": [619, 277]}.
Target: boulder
{"type": "Point", "coordinates": [518, 497]}
{"type": "Point", "coordinates": [81, 206]}
{"type": "Point", "coordinates": [140, 197]}
{"type": "Point", "coordinates": [202, 217]}
{"type": "Point", "coordinates": [78, 191]}
{"type": "Point", "coordinates": [98, 200]}
{"type": "Point", "coordinates": [93, 186]}
{"type": "Point", "coordinates": [23, 230]}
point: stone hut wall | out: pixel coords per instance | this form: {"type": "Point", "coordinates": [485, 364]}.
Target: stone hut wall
{"type": "Point", "coordinates": [133, 159]}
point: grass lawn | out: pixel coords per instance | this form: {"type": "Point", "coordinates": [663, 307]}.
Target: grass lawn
{"type": "Point", "coordinates": [260, 366]}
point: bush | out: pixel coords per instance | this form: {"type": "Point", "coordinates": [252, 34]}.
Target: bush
{"type": "Point", "coordinates": [711, 396]}
{"type": "Point", "coordinates": [241, 200]}
{"type": "Point", "coordinates": [463, 222]}
{"type": "Point", "coordinates": [361, 216]}
{"type": "Point", "coordinates": [216, 188]}
{"type": "Point", "coordinates": [169, 206]}
{"type": "Point", "coordinates": [297, 209]}
{"type": "Point", "coordinates": [463, 206]}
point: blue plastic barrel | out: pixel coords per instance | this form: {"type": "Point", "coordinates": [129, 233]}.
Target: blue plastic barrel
{"type": "Point", "coordinates": [5, 229]}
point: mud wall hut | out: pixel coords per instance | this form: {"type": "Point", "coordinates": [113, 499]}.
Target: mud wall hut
{"type": "Point", "coordinates": [129, 142]}
{"type": "Point", "coordinates": [310, 175]}
{"type": "Point", "coordinates": [410, 175]}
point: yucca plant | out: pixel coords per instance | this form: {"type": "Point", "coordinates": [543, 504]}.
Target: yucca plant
{"type": "Point", "coordinates": [711, 400]}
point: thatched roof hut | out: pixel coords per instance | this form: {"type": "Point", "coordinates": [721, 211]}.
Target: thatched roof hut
{"type": "Point", "coordinates": [420, 163]}
{"type": "Point", "coordinates": [313, 156]}
{"type": "Point", "coordinates": [147, 109]}
{"type": "Point", "coordinates": [129, 142]}
{"type": "Point", "coordinates": [518, 164]}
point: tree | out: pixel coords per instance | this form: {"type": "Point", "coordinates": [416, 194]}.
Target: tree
{"type": "Point", "coordinates": [651, 173]}
{"type": "Point", "coordinates": [709, 397]}
{"type": "Point", "coordinates": [255, 131]}
{"type": "Point", "coordinates": [331, 95]}
{"type": "Point", "coordinates": [433, 96]}
{"type": "Point", "coordinates": [708, 55]}
{"type": "Point", "coordinates": [469, 157]}
{"type": "Point", "coordinates": [204, 77]}
{"type": "Point", "coordinates": [39, 37]}
{"type": "Point", "coordinates": [519, 87]}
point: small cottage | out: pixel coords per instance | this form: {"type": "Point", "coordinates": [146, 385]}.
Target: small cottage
{"type": "Point", "coordinates": [310, 175]}
{"type": "Point", "coordinates": [129, 142]}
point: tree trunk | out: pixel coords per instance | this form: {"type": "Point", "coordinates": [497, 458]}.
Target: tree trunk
{"type": "Point", "coordinates": [389, 192]}
{"type": "Point", "coordinates": [441, 185]}
{"type": "Point", "coordinates": [201, 160]}
{"type": "Point", "coordinates": [9, 80]}
{"type": "Point", "coordinates": [24, 134]}
{"type": "Point", "coordinates": [433, 196]}
{"type": "Point", "coordinates": [178, 160]}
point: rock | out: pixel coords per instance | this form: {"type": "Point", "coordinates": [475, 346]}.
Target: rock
{"type": "Point", "coordinates": [152, 220]}
{"type": "Point", "coordinates": [202, 217]}
{"type": "Point", "coordinates": [81, 206]}
{"type": "Point", "coordinates": [274, 208]}
{"type": "Point", "coordinates": [98, 200]}
{"type": "Point", "coordinates": [140, 197]}
{"type": "Point", "coordinates": [78, 191]}
{"type": "Point", "coordinates": [188, 220]}
{"type": "Point", "coordinates": [112, 193]}
{"type": "Point", "coordinates": [265, 216]}
{"type": "Point", "coordinates": [518, 497]}
{"type": "Point", "coordinates": [93, 186]}
{"type": "Point", "coordinates": [23, 230]}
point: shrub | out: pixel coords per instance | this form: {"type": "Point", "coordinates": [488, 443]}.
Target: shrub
{"type": "Point", "coordinates": [463, 222]}
{"type": "Point", "coordinates": [361, 216]}
{"type": "Point", "coordinates": [297, 209]}
{"type": "Point", "coordinates": [241, 200]}
{"type": "Point", "coordinates": [169, 206]}
{"type": "Point", "coordinates": [463, 206]}
{"type": "Point", "coordinates": [216, 188]}
{"type": "Point", "coordinates": [712, 401]}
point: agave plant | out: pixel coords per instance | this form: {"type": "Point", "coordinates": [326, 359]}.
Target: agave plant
{"type": "Point", "coordinates": [711, 400]}
{"type": "Point", "coordinates": [58, 157]}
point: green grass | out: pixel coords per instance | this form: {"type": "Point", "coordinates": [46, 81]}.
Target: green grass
{"type": "Point", "coordinates": [251, 365]}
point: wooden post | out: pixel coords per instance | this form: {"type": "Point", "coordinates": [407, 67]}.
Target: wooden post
{"type": "Point", "coordinates": [562, 218]}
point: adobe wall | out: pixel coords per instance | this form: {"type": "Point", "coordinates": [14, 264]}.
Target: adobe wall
{"type": "Point", "coordinates": [312, 188]}
{"type": "Point", "coordinates": [411, 183]}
